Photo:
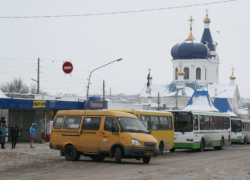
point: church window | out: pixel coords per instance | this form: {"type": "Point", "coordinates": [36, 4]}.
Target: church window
{"type": "Point", "coordinates": [198, 73]}
{"type": "Point", "coordinates": [186, 71]}
{"type": "Point", "coordinates": [176, 70]}
{"type": "Point", "coordinates": [205, 74]}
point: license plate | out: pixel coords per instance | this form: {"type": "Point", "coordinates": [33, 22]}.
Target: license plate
{"type": "Point", "coordinates": [149, 154]}
{"type": "Point", "coordinates": [176, 143]}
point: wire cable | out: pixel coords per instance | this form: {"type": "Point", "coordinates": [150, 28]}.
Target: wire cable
{"type": "Point", "coordinates": [114, 13]}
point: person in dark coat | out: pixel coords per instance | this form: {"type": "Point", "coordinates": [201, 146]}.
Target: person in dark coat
{"type": "Point", "coordinates": [3, 135]}
{"type": "Point", "coordinates": [14, 132]}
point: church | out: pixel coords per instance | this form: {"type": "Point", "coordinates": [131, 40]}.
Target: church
{"type": "Point", "coordinates": [195, 68]}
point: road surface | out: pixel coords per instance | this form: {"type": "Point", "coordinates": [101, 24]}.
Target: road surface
{"type": "Point", "coordinates": [43, 163]}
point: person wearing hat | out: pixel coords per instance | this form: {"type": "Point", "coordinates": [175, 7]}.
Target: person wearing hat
{"type": "Point", "coordinates": [4, 133]}
{"type": "Point", "coordinates": [14, 132]}
{"type": "Point", "coordinates": [32, 134]}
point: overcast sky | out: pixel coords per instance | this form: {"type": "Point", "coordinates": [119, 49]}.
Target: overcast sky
{"type": "Point", "coordinates": [143, 40]}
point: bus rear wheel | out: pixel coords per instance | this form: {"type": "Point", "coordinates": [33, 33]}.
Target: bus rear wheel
{"type": "Point", "coordinates": [172, 150]}
{"type": "Point", "coordinates": [146, 160]}
{"type": "Point", "coordinates": [70, 153]}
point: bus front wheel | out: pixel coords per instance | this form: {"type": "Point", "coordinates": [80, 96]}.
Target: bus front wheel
{"type": "Point", "coordinates": [201, 145]}
{"type": "Point", "coordinates": [118, 155]}
{"type": "Point", "coordinates": [221, 145]}
{"type": "Point", "coordinates": [245, 141]}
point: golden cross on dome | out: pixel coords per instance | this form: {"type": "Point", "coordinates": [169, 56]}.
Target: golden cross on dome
{"type": "Point", "coordinates": [215, 91]}
{"type": "Point", "coordinates": [191, 21]}
{"type": "Point", "coordinates": [149, 70]}
{"type": "Point", "coordinates": [207, 12]}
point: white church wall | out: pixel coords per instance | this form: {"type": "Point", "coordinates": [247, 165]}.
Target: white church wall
{"type": "Point", "coordinates": [193, 64]}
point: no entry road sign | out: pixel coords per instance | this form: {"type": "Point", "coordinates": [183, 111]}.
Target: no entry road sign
{"type": "Point", "coordinates": [67, 67]}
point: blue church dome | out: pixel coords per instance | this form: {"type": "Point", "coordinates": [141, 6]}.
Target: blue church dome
{"type": "Point", "coordinates": [190, 49]}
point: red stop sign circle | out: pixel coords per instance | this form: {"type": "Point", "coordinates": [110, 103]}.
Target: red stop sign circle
{"type": "Point", "coordinates": [67, 67]}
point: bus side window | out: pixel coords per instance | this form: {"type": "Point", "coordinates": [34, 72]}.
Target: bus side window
{"type": "Point", "coordinates": [58, 123]}
{"type": "Point", "coordinates": [164, 123]}
{"type": "Point", "coordinates": [202, 123]}
{"type": "Point", "coordinates": [145, 121]}
{"type": "Point", "coordinates": [217, 123]}
{"type": "Point", "coordinates": [196, 123]}
{"type": "Point", "coordinates": [207, 122]}
{"type": "Point", "coordinates": [154, 122]}
{"type": "Point", "coordinates": [221, 123]}
{"type": "Point", "coordinates": [226, 123]}
{"type": "Point", "coordinates": [212, 123]}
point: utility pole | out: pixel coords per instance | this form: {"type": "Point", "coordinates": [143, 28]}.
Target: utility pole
{"type": "Point", "coordinates": [103, 90]}
{"type": "Point", "coordinates": [38, 76]}
{"type": "Point", "coordinates": [158, 101]}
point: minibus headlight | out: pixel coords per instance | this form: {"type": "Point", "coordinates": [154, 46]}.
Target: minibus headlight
{"type": "Point", "coordinates": [136, 142]}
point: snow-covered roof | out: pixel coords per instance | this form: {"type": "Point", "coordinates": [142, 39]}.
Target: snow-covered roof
{"type": "Point", "coordinates": [2, 95]}
{"type": "Point", "coordinates": [229, 93]}
{"type": "Point", "coordinates": [242, 111]}
{"type": "Point", "coordinates": [170, 90]}
{"type": "Point", "coordinates": [200, 101]}
{"type": "Point", "coordinates": [166, 91]}
{"type": "Point", "coordinates": [223, 106]}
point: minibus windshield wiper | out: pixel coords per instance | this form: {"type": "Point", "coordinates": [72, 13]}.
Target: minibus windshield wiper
{"type": "Point", "coordinates": [141, 131]}
{"type": "Point", "coordinates": [131, 130]}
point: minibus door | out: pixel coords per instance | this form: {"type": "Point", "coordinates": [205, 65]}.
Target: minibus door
{"type": "Point", "coordinates": [107, 137]}
{"type": "Point", "coordinates": [89, 136]}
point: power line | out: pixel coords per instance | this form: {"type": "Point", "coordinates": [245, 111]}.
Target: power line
{"type": "Point", "coordinates": [114, 13]}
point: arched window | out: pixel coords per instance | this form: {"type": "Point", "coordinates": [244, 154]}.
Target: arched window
{"type": "Point", "coordinates": [186, 71]}
{"type": "Point", "coordinates": [176, 70]}
{"type": "Point", "coordinates": [205, 74]}
{"type": "Point", "coordinates": [198, 73]}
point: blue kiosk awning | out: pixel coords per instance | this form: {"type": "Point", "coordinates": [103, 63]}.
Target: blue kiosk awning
{"type": "Point", "coordinates": [7, 103]}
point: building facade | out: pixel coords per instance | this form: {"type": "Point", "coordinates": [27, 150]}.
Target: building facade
{"type": "Point", "coordinates": [195, 68]}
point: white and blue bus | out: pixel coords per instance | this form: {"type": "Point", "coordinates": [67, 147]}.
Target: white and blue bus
{"type": "Point", "coordinates": [240, 132]}
{"type": "Point", "coordinates": [198, 130]}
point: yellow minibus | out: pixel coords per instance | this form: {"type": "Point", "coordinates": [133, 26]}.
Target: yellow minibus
{"type": "Point", "coordinates": [101, 133]}
{"type": "Point", "coordinates": [160, 124]}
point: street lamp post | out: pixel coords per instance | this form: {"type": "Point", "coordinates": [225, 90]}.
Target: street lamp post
{"type": "Point", "coordinates": [37, 85]}
{"type": "Point", "coordinates": [176, 100]}
{"type": "Point", "coordinates": [96, 69]}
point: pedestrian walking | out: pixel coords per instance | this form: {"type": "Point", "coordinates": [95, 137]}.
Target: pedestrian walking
{"type": "Point", "coordinates": [3, 133]}
{"type": "Point", "coordinates": [14, 132]}
{"type": "Point", "coordinates": [32, 134]}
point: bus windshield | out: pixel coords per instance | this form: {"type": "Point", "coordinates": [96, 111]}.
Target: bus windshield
{"type": "Point", "coordinates": [236, 125]}
{"type": "Point", "coordinates": [131, 125]}
{"type": "Point", "coordinates": [183, 122]}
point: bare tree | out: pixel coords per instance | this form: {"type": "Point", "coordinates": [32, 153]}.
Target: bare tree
{"type": "Point", "coordinates": [16, 86]}
{"type": "Point", "coordinates": [33, 90]}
